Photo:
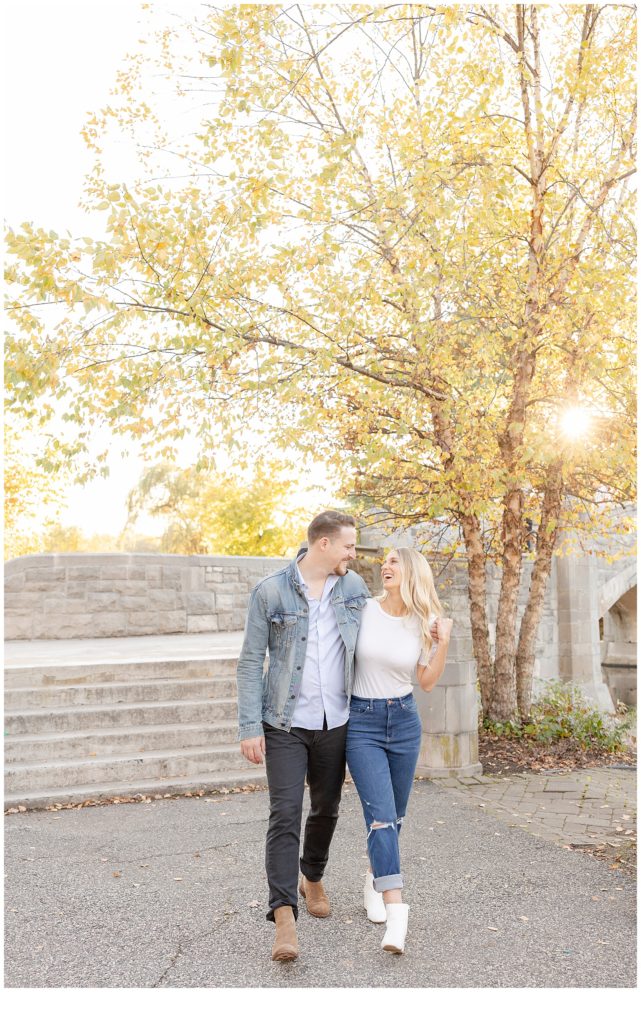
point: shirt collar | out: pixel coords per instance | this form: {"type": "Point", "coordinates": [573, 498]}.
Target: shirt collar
{"type": "Point", "coordinates": [332, 579]}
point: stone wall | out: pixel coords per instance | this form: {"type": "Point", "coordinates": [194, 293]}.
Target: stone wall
{"type": "Point", "coordinates": [86, 595]}
{"type": "Point", "coordinates": [92, 595]}
{"type": "Point", "coordinates": [451, 583]}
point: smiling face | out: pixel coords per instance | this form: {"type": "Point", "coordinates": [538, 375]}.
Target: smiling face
{"type": "Point", "coordinates": [391, 572]}
{"type": "Point", "coordinates": [339, 550]}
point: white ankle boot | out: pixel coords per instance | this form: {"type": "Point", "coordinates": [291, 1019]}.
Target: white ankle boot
{"type": "Point", "coordinates": [373, 901]}
{"type": "Point", "coordinates": [394, 939]}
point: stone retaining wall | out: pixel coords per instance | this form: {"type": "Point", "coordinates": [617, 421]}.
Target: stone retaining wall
{"type": "Point", "coordinates": [66, 596]}
{"type": "Point", "coordinates": [86, 595]}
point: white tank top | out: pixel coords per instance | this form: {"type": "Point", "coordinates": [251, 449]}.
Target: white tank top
{"type": "Point", "coordinates": [388, 650]}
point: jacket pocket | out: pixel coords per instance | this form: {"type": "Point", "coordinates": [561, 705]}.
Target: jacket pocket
{"type": "Point", "coordinates": [282, 628]}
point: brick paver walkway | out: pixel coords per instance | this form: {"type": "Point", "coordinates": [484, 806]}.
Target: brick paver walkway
{"type": "Point", "coordinates": [580, 808]}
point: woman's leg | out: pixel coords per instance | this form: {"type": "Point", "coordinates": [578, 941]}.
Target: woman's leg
{"type": "Point", "coordinates": [369, 768]}
{"type": "Point", "coordinates": [402, 755]}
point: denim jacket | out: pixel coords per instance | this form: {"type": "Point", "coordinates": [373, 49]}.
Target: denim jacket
{"type": "Point", "coordinates": [277, 621]}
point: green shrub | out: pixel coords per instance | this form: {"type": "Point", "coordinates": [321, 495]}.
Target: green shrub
{"type": "Point", "coordinates": [562, 712]}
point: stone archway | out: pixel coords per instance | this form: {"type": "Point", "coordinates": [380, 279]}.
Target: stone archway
{"type": "Point", "coordinates": [618, 628]}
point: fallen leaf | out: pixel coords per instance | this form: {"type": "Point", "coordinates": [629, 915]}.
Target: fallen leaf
{"type": "Point", "coordinates": [254, 903]}
{"type": "Point", "coordinates": [523, 918]}
{"type": "Point", "coordinates": [116, 874]}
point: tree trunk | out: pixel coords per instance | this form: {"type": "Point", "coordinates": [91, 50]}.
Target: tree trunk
{"type": "Point", "coordinates": [546, 540]}
{"type": "Point", "coordinates": [477, 591]}
{"type": "Point", "coordinates": [503, 706]}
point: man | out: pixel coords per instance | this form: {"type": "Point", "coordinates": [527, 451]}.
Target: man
{"type": "Point", "coordinates": [295, 715]}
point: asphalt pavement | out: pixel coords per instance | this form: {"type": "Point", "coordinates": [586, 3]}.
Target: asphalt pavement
{"type": "Point", "coordinates": [172, 893]}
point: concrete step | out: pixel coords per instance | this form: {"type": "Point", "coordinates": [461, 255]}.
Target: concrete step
{"type": "Point", "coordinates": [66, 746]}
{"type": "Point", "coordinates": [115, 770]}
{"type": "Point", "coordinates": [164, 690]}
{"type": "Point", "coordinates": [209, 782]}
{"type": "Point", "coordinates": [101, 729]}
{"type": "Point", "coordinates": [113, 716]}
{"type": "Point", "coordinates": [90, 673]}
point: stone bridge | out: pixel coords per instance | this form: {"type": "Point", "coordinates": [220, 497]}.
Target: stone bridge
{"type": "Point", "coordinates": [106, 716]}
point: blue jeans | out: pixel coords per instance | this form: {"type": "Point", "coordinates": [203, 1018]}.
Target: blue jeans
{"type": "Point", "coordinates": [383, 743]}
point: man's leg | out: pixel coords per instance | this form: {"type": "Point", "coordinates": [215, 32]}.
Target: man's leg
{"type": "Point", "coordinates": [325, 775]}
{"type": "Point", "coordinates": [286, 759]}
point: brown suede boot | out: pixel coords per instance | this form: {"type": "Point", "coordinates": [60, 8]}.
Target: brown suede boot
{"type": "Point", "coordinates": [315, 897]}
{"type": "Point", "coordinates": [285, 943]}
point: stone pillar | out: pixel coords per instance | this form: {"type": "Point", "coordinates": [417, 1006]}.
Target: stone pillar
{"type": "Point", "coordinates": [579, 643]}
{"type": "Point", "coordinates": [449, 713]}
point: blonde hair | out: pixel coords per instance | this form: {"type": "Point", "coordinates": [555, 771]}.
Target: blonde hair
{"type": "Point", "coordinates": [418, 592]}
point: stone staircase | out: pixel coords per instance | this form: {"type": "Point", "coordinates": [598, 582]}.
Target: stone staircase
{"type": "Point", "coordinates": [79, 732]}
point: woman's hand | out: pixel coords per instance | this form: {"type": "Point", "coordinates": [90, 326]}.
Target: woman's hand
{"type": "Point", "coordinates": [444, 629]}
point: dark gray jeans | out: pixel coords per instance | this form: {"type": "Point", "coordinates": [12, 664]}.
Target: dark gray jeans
{"type": "Point", "coordinates": [291, 756]}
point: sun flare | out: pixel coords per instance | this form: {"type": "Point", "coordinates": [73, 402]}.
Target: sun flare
{"type": "Point", "coordinates": [575, 422]}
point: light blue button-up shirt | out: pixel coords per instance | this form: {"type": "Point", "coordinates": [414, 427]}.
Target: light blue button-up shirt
{"type": "Point", "coordinates": [322, 691]}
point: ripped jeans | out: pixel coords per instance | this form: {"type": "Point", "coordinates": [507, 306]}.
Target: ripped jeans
{"type": "Point", "coordinates": [383, 743]}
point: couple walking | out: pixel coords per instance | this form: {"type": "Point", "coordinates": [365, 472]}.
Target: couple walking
{"type": "Point", "coordinates": [339, 685]}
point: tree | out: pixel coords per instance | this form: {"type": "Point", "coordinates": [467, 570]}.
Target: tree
{"type": "Point", "coordinates": [28, 491]}
{"type": "Point", "coordinates": [215, 514]}
{"type": "Point", "coordinates": [405, 240]}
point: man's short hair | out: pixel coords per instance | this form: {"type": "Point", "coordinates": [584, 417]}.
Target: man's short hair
{"type": "Point", "coordinates": [328, 524]}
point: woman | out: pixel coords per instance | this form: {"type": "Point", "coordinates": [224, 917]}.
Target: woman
{"type": "Point", "coordinates": [395, 647]}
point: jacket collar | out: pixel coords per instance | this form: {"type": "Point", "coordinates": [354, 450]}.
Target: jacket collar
{"type": "Point", "coordinates": [294, 579]}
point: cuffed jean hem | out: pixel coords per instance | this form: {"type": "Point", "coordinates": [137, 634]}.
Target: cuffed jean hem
{"type": "Point", "coordinates": [311, 873]}
{"type": "Point", "coordinates": [386, 882]}
{"type": "Point", "coordinates": [270, 913]}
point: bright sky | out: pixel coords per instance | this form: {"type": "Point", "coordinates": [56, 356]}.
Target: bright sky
{"type": "Point", "coordinates": [60, 63]}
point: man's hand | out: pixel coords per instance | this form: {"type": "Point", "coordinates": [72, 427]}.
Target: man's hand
{"type": "Point", "coordinates": [253, 749]}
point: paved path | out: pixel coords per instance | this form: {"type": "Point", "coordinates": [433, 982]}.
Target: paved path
{"type": "Point", "coordinates": [167, 647]}
{"type": "Point", "coordinates": [580, 808]}
{"type": "Point", "coordinates": [172, 893]}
